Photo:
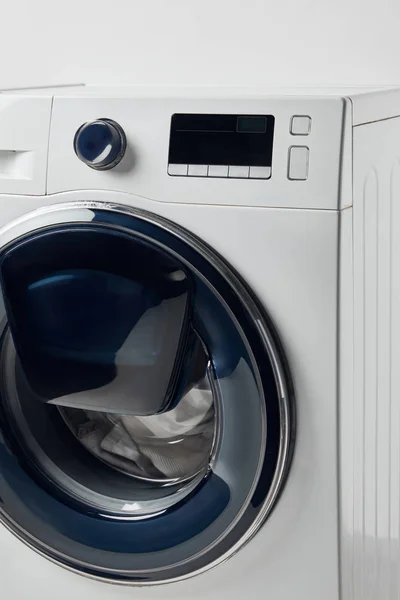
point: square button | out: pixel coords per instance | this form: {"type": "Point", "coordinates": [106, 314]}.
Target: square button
{"type": "Point", "coordinates": [218, 171]}
{"type": "Point", "coordinates": [175, 169]}
{"type": "Point", "coordinates": [300, 125]}
{"type": "Point", "coordinates": [198, 170]}
{"type": "Point", "coordinates": [260, 172]}
{"type": "Point", "coordinates": [238, 172]}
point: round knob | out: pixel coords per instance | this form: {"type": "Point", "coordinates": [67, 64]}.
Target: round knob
{"type": "Point", "coordinates": [100, 144]}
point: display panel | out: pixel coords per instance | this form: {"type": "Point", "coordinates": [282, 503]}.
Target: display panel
{"type": "Point", "coordinates": [242, 140]}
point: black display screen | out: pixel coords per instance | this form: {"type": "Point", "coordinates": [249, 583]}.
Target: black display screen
{"type": "Point", "coordinates": [251, 124]}
{"type": "Point", "coordinates": [245, 140]}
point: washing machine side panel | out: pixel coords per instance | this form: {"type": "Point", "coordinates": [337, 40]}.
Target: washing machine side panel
{"type": "Point", "coordinates": [24, 139]}
{"type": "Point", "coordinates": [289, 259]}
{"type": "Point", "coordinates": [371, 446]}
{"type": "Point", "coordinates": [346, 384]}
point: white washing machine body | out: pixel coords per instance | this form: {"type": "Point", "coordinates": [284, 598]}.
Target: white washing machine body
{"type": "Point", "coordinates": [283, 224]}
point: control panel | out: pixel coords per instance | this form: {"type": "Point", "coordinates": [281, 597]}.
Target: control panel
{"type": "Point", "coordinates": [264, 151]}
{"type": "Point", "coordinates": [212, 145]}
{"type": "Point", "coordinates": [205, 145]}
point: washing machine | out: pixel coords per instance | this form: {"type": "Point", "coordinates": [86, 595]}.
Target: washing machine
{"type": "Point", "coordinates": [198, 313]}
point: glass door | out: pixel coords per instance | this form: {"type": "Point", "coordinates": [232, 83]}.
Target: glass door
{"type": "Point", "coordinates": [146, 410]}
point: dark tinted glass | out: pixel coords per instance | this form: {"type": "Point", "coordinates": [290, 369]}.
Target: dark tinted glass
{"type": "Point", "coordinates": [245, 140]}
{"type": "Point", "coordinates": [100, 321]}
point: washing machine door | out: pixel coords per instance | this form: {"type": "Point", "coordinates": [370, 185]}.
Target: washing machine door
{"type": "Point", "coordinates": [146, 412]}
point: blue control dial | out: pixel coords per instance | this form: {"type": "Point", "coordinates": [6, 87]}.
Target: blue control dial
{"type": "Point", "coordinates": [100, 144]}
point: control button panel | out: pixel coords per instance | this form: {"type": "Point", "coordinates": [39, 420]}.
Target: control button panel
{"type": "Point", "coordinates": [221, 171]}
{"type": "Point", "coordinates": [300, 125]}
{"type": "Point", "coordinates": [221, 145]}
{"type": "Point", "coordinates": [298, 163]}
{"type": "Point", "coordinates": [234, 146]}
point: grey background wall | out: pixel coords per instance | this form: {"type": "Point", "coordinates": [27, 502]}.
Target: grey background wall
{"type": "Point", "coordinates": [202, 42]}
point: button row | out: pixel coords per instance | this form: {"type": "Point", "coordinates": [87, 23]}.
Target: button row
{"type": "Point", "coordinates": [233, 171]}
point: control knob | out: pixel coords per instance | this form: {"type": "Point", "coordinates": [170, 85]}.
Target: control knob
{"type": "Point", "coordinates": [100, 144]}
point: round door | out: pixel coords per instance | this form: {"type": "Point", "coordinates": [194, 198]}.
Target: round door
{"type": "Point", "coordinates": [146, 413]}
